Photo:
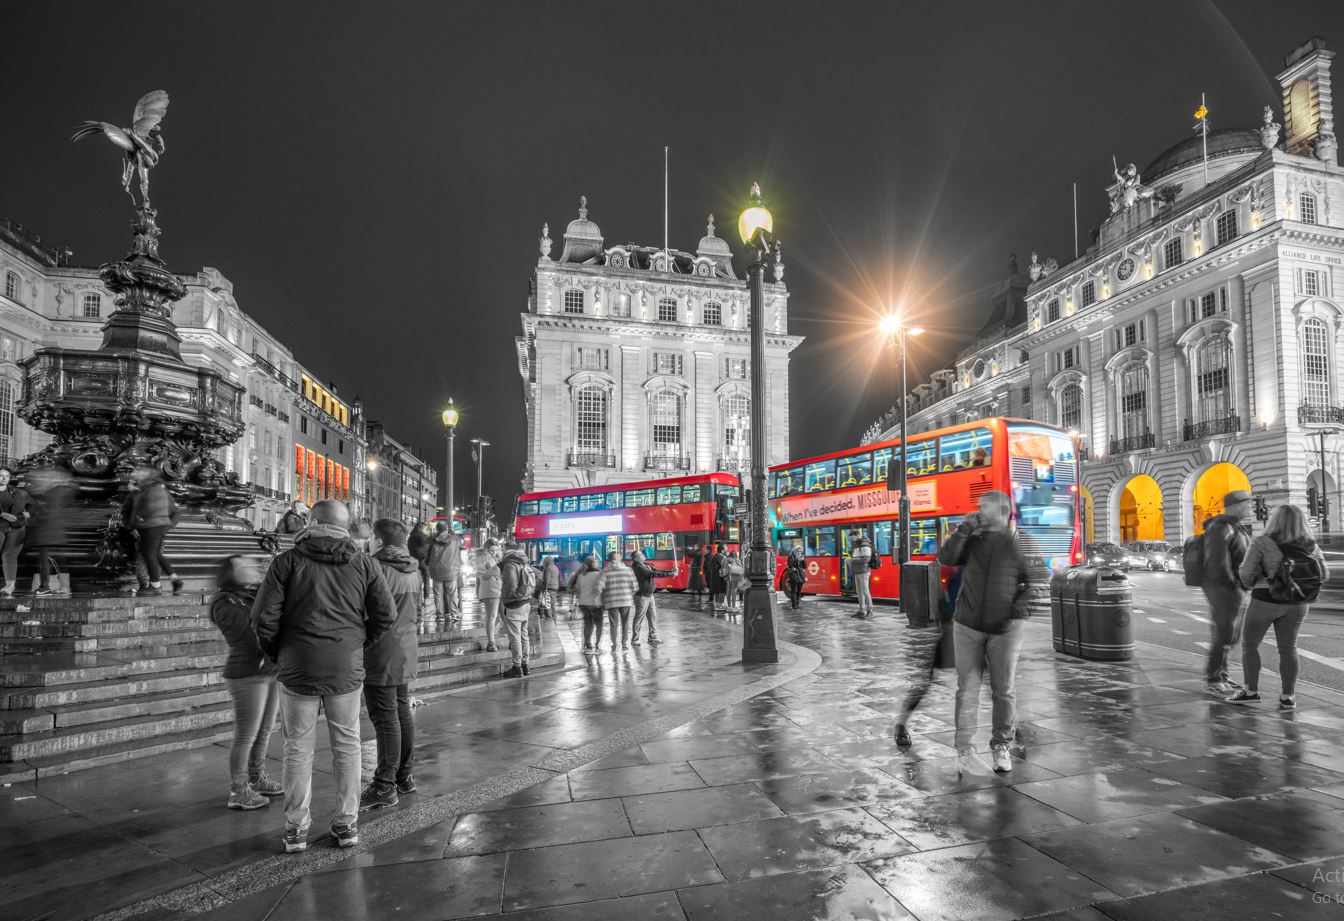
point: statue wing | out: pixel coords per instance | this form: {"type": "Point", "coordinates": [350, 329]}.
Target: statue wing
{"type": "Point", "coordinates": [149, 111]}
{"type": "Point", "coordinates": [114, 134]}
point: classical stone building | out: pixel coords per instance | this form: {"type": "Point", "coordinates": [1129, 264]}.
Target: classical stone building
{"type": "Point", "coordinates": [1197, 346]}
{"type": "Point", "coordinates": [635, 362]}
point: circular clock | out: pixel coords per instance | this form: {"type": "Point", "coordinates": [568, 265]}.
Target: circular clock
{"type": "Point", "coordinates": [1125, 271]}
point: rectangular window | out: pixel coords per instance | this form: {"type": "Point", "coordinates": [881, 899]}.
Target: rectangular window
{"type": "Point", "coordinates": [11, 286]}
{"type": "Point", "coordinates": [1052, 310]}
{"type": "Point", "coordinates": [882, 463]}
{"type": "Point", "coordinates": [324, 434]}
{"type": "Point", "coordinates": [1132, 334]}
{"type": "Point", "coordinates": [303, 424]}
{"type": "Point", "coordinates": [93, 306]}
{"type": "Point", "coordinates": [965, 449]}
{"type": "Point", "coordinates": [1173, 254]}
{"type": "Point", "coordinates": [668, 495]}
{"type": "Point", "coordinates": [819, 541]}
{"type": "Point", "coordinates": [615, 500]}
{"type": "Point", "coordinates": [712, 314]}
{"type": "Point", "coordinates": [528, 507]}
{"type": "Point", "coordinates": [548, 506]}
{"type": "Point", "coordinates": [8, 348]}
{"type": "Point", "coordinates": [1310, 282]}
{"type": "Point", "coordinates": [1088, 295]}
{"type": "Point", "coordinates": [1306, 208]}
{"type": "Point", "coordinates": [569, 504]}
{"type": "Point", "coordinates": [788, 482]}
{"type": "Point", "coordinates": [923, 536]}
{"type": "Point", "coordinates": [854, 470]}
{"type": "Point", "coordinates": [694, 492]}
{"type": "Point", "coordinates": [735, 369]}
{"type": "Point", "coordinates": [667, 310]}
{"type": "Point", "coordinates": [574, 301]}
{"type": "Point", "coordinates": [1226, 227]}
{"type": "Point", "coordinates": [640, 498]}
{"type": "Point", "coordinates": [820, 475]}
{"type": "Point", "coordinates": [591, 359]}
{"type": "Point", "coordinates": [882, 537]}
{"type": "Point", "coordinates": [921, 459]}
{"type": "Point", "coordinates": [620, 305]}
{"type": "Point", "coordinates": [667, 363]}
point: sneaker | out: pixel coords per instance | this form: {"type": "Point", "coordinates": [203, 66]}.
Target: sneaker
{"type": "Point", "coordinates": [247, 799]}
{"type": "Point", "coordinates": [267, 787]}
{"type": "Point", "coordinates": [42, 591]}
{"type": "Point", "coordinates": [347, 835]}
{"type": "Point", "coordinates": [295, 841]}
{"type": "Point", "coordinates": [1244, 696]}
{"type": "Point", "coordinates": [1287, 703]}
{"type": "Point", "coordinates": [150, 590]}
{"type": "Point", "coordinates": [514, 672]}
{"type": "Point", "coordinates": [970, 762]}
{"type": "Point", "coordinates": [635, 643]}
{"type": "Point", "coordinates": [1221, 688]}
{"type": "Point", "coordinates": [1003, 763]}
{"type": "Point", "coordinates": [376, 796]}
{"type": "Point", "coordinates": [526, 669]}
{"type": "Point", "coordinates": [589, 648]}
{"type": "Point", "coordinates": [903, 736]}
{"type": "Point", "coordinates": [406, 786]}
{"type": "Point", "coordinates": [177, 585]}
{"type": "Point", "coordinates": [859, 615]}
{"type": "Point", "coordinates": [625, 644]}
{"type": "Point", "coordinates": [654, 641]}
{"type": "Point", "coordinates": [491, 647]}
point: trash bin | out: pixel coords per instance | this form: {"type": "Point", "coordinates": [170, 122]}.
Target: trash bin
{"type": "Point", "coordinates": [1105, 615]}
{"type": "Point", "coordinates": [921, 587]}
{"type": "Point", "coordinates": [1064, 610]}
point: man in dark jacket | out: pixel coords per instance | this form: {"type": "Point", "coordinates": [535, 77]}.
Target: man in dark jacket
{"type": "Point", "coordinates": [1225, 544]}
{"type": "Point", "coordinates": [418, 546]}
{"type": "Point", "coordinates": [645, 607]}
{"type": "Point", "coordinates": [389, 666]}
{"type": "Point", "coordinates": [443, 559]}
{"type": "Point", "coordinates": [718, 580]}
{"type": "Point", "coordinates": [321, 604]}
{"type": "Point", "coordinates": [518, 583]}
{"type": "Point", "coordinates": [294, 520]}
{"type": "Point", "coordinates": [987, 626]}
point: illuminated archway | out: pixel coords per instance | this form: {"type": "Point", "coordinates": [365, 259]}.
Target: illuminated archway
{"type": "Point", "coordinates": [1089, 516]}
{"type": "Point", "coordinates": [1141, 510]}
{"type": "Point", "coordinates": [1212, 485]}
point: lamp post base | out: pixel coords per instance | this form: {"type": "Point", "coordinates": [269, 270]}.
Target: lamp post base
{"type": "Point", "coordinates": [758, 624]}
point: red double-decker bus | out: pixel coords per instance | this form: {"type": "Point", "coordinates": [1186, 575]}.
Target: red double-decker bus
{"type": "Point", "coordinates": [823, 503]}
{"type": "Point", "coordinates": [660, 517]}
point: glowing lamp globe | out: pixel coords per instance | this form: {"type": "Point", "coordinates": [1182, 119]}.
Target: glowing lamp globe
{"type": "Point", "coordinates": [450, 416]}
{"type": "Point", "coordinates": [755, 218]}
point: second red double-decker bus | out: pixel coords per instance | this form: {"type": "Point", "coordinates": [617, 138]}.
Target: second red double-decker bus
{"type": "Point", "coordinates": [824, 503]}
{"type": "Point", "coordinates": [660, 517]}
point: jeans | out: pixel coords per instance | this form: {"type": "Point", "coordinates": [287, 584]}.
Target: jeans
{"type": "Point", "coordinates": [621, 616]}
{"type": "Point", "coordinates": [491, 606]}
{"type": "Point", "coordinates": [795, 590]}
{"type": "Point", "coordinates": [151, 551]}
{"type": "Point", "coordinates": [1287, 621]}
{"type": "Point", "coordinates": [861, 580]}
{"type": "Point", "coordinates": [394, 728]}
{"type": "Point", "coordinates": [645, 609]}
{"type": "Point", "coordinates": [520, 642]}
{"type": "Point", "coordinates": [446, 599]}
{"type": "Point", "coordinates": [592, 625]}
{"type": "Point", "coordinates": [975, 649]}
{"type": "Point", "coordinates": [256, 701]}
{"type": "Point", "coordinates": [298, 718]}
{"type": "Point", "coordinates": [9, 553]}
{"type": "Point", "coordinates": [1227, 605]}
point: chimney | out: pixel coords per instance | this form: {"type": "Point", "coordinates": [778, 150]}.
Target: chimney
{"type": "Point", "coordinates": [1308, 115]}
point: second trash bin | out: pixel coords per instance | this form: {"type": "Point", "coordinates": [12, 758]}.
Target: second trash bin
{"type": "Point", "coordinates": [1092, 613]}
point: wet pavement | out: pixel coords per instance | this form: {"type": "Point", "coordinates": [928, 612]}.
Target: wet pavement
{"type": "Point", "coordinates": [648, 784]}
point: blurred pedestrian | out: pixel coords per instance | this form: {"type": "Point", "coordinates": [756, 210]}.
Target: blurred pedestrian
{"type": "Point", "coordinates": [417, 544]}
{"type": "Point", "coordinates": [153, 513]}
{"type": "Point", "coordinates": [1279, 598]}
{"type": "Point", "coordinates": [645, 604]}
{"type": "Point", "coordinates": [361, 533]}
{"type": "Point", "coordinates": [488, 588]}
{"type": "Point", "coordinates": [586, 585]}
{"type": "Point", "coordinates": [695, 574]}
{"type": "Point", "coordinates": [295, 518]}
{"type": "Point", "coordinates": [718, 582]}
{"type": "Point", "coordinates": [618, 598]}
{"type": "Point", "coordinates": [1226, 538]}
{"type": "Point", "coordinates": [321, 604]}
{"type": "Point", "coordinates": [735, 583]}
{"type": "Point", "coordinates": [860, 570]}
{"type": "Point", "coordinates": [15, 509]}
{"type": "Point", "coordinates": [389, 668]}
{"type": "Point", "coordinates": [988, 625]}
{"type": "Point", "coordinates": [931, 649]}
{"type": "Point", "coordinates": [51, 489]}
{"type": "Point", "coordinates": [550, 586]}
{"type": "Point", "coordinates": [250, 678]}
{"type": "Point", "coordinates": [795, 575]}
{"type": "Point", "coordinates": [444, 561]}
{"type": "Point", "coordinates": [518, 586]}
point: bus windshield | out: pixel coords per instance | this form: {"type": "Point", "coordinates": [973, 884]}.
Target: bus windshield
{"type": "Point", "coordinates": [1044, 468]}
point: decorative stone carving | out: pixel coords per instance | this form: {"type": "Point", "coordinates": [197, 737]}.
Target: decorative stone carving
{"type": "Point", "coordinates": [545, 242]}
{"type": "Point", "coordinates": [1269, 130]}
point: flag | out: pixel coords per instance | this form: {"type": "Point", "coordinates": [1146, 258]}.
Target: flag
{"type": "Point", "coordinates": [1202, 112]}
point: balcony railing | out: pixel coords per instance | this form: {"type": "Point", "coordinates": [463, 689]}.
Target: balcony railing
{"type": "Point", "coordinates": [666, 462]}
{"type": "Point", "coordinates": [275, 372]}
{"type": "Point", "coordinates": [1132, 443]}
{"type": "Point", "coordinates": [1228, 425]}
{"type": "Point", "coordinates": [591, 459]}
{"type": "Point", "coordinates": [1320, 414]}
{"type": "Point", "coordinates": [731, 462]}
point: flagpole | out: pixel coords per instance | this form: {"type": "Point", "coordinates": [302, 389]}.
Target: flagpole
{"type": "Point", "coordinates": [665, 200]}
{"type": "Point", "coordinates": [1075, 220]}
{"type": "Point", "coordinates": [1204, 124]}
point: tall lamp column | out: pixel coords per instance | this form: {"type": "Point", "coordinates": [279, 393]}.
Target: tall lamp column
{"type": "Point", "coordinates": [897, 333]}
{"type": "Point", "coordinates": [450, 419]}
{"type": "Point", "coordinates": [481, 444]}
{"type": "Point", "coordinates": [756, 226]}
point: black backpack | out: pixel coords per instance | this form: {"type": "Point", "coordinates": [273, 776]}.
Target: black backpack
{"type": "Point", "coordinates": [1192, 560]}
{"type": "Point", "coordinates": [1297, 580]}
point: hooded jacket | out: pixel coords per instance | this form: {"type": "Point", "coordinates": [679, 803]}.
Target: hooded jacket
{"type": "Point", "coordinates": [587, 588]}
{"type": "Point", "coordinates": [417, 544]}
{"type": "Point", "coordinates": [231, 612]}
{"type": "Point", "coordinates": [444, 556]}
{"type": "Point", "coordinates": [995, 585]}
{"type": "Point", "coordinates": [292, 522]}
{"type": "Point", "coordinates": [1225, 545]}
{"type": "Point", "coordinates": [153, 507]}
{"type": "Point", "coordinates": [321, 604]}
{"type": "Point", "coordinates": [550, 576]}
{"type": "Point", "coordinates": [1262, 561]}
{"type": "Point", "coordinates": [511, 567]}
{"type": "Point", "coordinates": [796, 566]}
{"type": "Point", "coordinates": [488, 584]}
{"type": "Point", "coordinates": [391, 660]}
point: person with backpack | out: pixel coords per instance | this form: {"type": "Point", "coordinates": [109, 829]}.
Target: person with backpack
{"type": "Point", "coordinates": [1284, 569]}
{"type": "Point", "coordinates": [861, 563]}
{"type": "Point", "coordinates": [518, 583]}
{"type": "Point", "coordinates": [795, 574]}
{"type": "Point", "coordinates": [1225, 542]}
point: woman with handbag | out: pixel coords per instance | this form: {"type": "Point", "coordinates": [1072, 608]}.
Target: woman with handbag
{"type": "Point", "coordinates": [795, 574]}
{"type": "Point", "coordinates": [15, 510]}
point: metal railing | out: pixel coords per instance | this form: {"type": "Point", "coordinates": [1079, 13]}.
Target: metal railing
{"type": "Point", "coordinates": [1227, 425]}
{"type": "Point", "coordinates": [1133, 443]}
{"type": "Point", "coordinates": [732, 462]}
{"type": "Point", "coordinates": [590, 459]}
{"type": "Point", "coordinates": [666, 462]}
{"type": "Point", "coordinates": [1320, 414]}
{"type": "Point", "coordinates": [275, 372]}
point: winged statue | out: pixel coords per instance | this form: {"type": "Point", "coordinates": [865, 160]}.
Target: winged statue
{"type": "Point", "coordinates": [142, 142]}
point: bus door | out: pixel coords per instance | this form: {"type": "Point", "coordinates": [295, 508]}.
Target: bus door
{"type": "Point", "coordinates": [848, 534]}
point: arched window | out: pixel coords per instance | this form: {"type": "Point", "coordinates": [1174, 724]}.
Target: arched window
{"type": "Point", "coordinates": [12, 286]}
{"type": "Point", "coordinates": [665, 423]}
{"type": "Point", "coordinates": [1315, 362]}
{"type": "Point", "coordinates": [1213, 379]}
{"type": "Point", "coordinates": [1134, 400]}
{"type": "Point", "coordinates": [667, 310]}
{"type": "Point", "coordinates": [6, 419]}
{"type": "Point", "coordinates": [573, 301]}
{"type": "Point", "coordinates": [1071, 407]}
{"type": "Point", "coordinates": [736, 430]}
{"type": "Point", "coordinates": [590, 420]}
{"type": "Point", "coordinates": [713, 314]}
{"type": "Point", "coordinates": [1306, 208]}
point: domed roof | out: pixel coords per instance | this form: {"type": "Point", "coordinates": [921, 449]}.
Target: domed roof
{"type": "Point", "coordinates": [1222, 142]}
{"type": "Point", "coordinates": [581, 226]}
{"type": "Point", "coordinates": [711, 245]}
{"type": "Point", "coordinates": [583, 238]}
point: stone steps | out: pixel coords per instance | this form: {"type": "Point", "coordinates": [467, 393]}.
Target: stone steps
{"type": "Point", "coordinates": [46, 743]}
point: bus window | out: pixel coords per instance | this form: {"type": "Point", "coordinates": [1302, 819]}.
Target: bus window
{"type": "Point", "coordinates": [592, 502]}
{"type": "Point", "coordinates": [613, 545]}
{"type": "Point", "coordinates": [820, 475]}
{"type": "Point", "coordinates": [786, 539]}
{"type": "Point", "coordinates": [788, 482]}
{"type": "Point", "coordinates": [614, 500]}
{"type": "Point", "coordinates": [819, 541]}
{"type": "Point", "coordinates": [882, 463]}
{"type": "Point", "coordinates": [569, 504]}
{"type": "Point", "coordinates": [693, 492]}
{"type": "Point", "coordinates": [527, 508]}
{"type": "Point", "coordinates": [548, 506]}
{"type": "Point", "coordinates": [921, 459]}
{"type": "Point", "coordinates": [669, 495]}
{"type": "Point", "coordinates": [965, 449]}
{"type": "Point", "coordinates": [924, 536]}
{"type": "Point", "coordinates": [855, 470]}
{"type": "Point", "coordinates": [882, 537]}
{"type": "Point", "coordinates": [637, 498]}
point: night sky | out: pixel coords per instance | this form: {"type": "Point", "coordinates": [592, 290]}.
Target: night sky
{"type": "Point", "coordinates": [373, 177]}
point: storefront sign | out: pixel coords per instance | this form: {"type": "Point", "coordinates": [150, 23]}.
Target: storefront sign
{"type": "Point", "coordinates": [870, 502]}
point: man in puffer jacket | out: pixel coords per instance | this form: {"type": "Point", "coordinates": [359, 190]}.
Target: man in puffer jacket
{"type": "Point", "coordinates": [322, 602]}
{"type": "Point", "coordinates": [1225, 544]}
{"type": "Point", "coordinates": [987, 626]}
{"type": "Point", "coordinates": [518, 584]}
{"type": "Point", "coordinates": [444, 561]}
{"type": "Point", "coordinates": [389, 667]}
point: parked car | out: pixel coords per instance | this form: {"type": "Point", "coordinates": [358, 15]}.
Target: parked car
{"type": "Point", "coordinates": [1152, 555]}
{"type": "Point", "coordinates": [1107, 554]}
{"type": "Point", "coordinates": [1175, 561]}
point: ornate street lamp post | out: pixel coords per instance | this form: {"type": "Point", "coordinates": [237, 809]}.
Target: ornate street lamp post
{"type": "Point", "coordinates": [450, 418]}
{"type": "Point", "coordinates": [756, 226]}
{"type": "Point", "coordinates": [897, 333]}
{"type": "Point", "coordinates": [481, 444]}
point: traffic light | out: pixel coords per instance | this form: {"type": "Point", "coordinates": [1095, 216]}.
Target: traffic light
{"type": "Point", "coordinates": [487, 509]}
{"type": "Point", "coordinates": [1261, 509]}
{"type": "Point", "coordinates": [1313, 502]}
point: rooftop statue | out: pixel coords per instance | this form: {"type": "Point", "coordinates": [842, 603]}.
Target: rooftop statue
{"type": "Point", "coordinates": [1127, 190]}
{"type": "Point", "coordinates": [142, 142]}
